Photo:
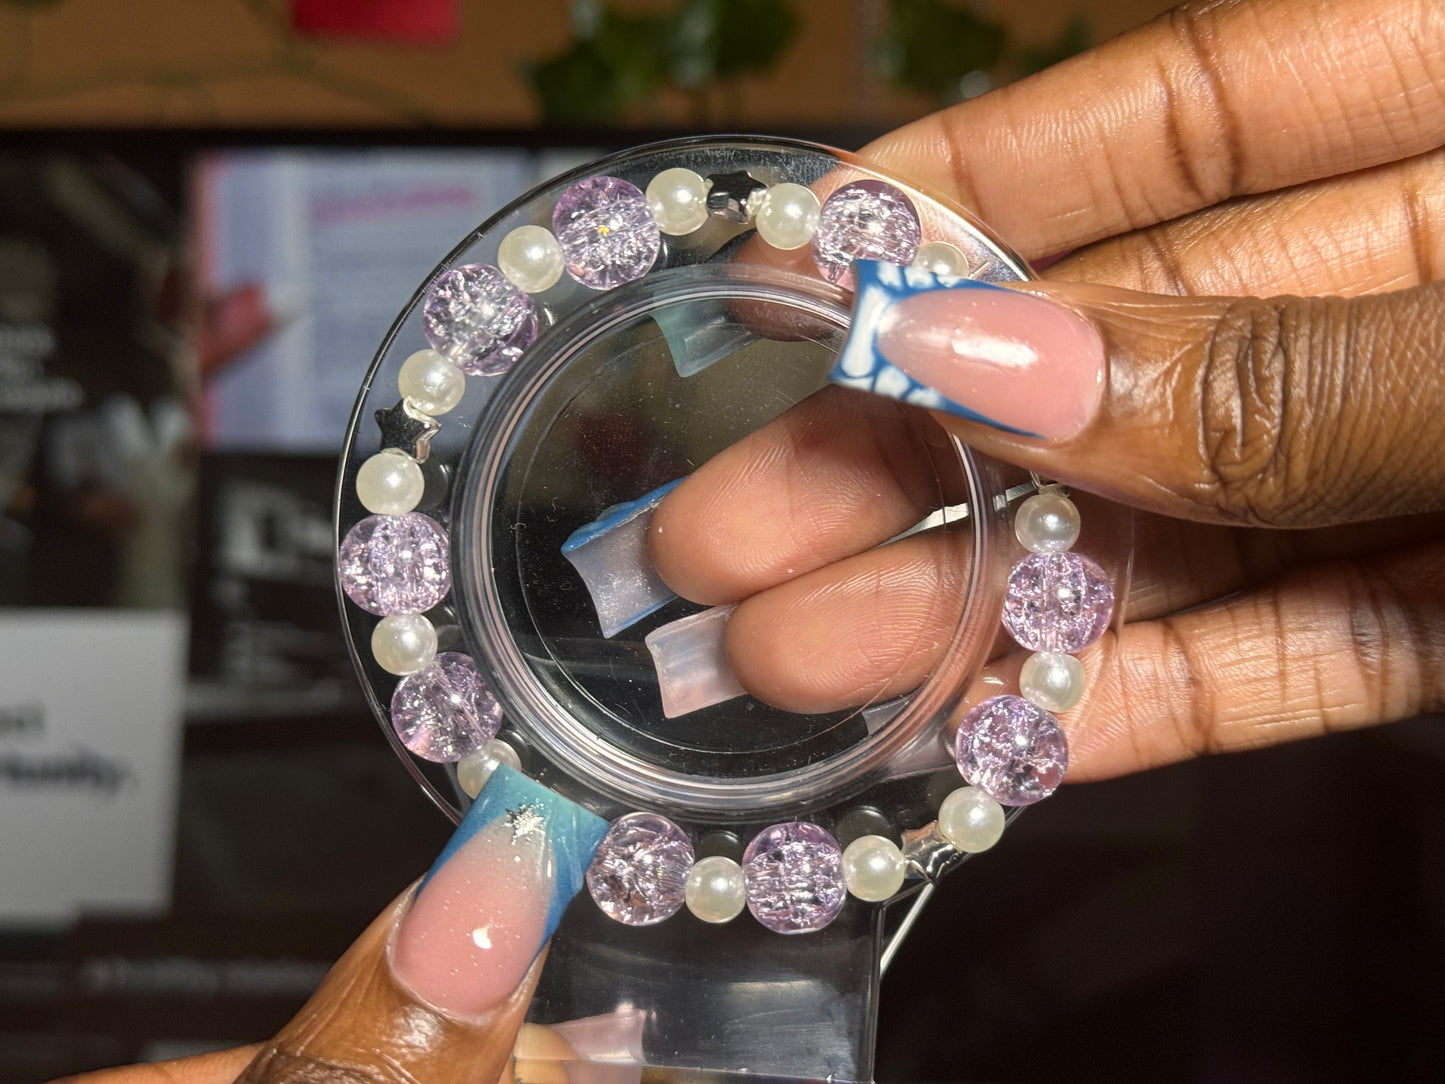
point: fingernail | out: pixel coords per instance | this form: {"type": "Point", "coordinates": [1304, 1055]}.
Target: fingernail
{"type": "Point", "coordinates": [1008, 359]}
{"type": "Point", "coordinates": [494, 895]}
{"type": "Point", "coordinates": [611, 555]}
{"type": "Point", "coordinates": [691, 661]}
{"type": "Point", "coordinates": [700, 334]}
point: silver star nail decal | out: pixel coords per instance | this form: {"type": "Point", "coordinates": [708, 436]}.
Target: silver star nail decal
{"type": "Point", "coordinates": [525, 820]}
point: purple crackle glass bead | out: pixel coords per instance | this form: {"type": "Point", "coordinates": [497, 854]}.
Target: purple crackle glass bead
{"type": "Point", "coordinates": [446, 711]}
{"type": "Point", "coordinates": [794, 877]}
{"type": "Point", "coordinates": [1013, 751]}
{"type": "Point", "coordinates": [865, 220]}
{"type": "Point", "coordinates": [639, 874]}
{"type": "Point", "coordinates": [607, 232]}
{"type": "Point", "coordinates": [477, 318]}
{"type": "Point", "coordinates": [395, 564]}
{"type": "Point", "coordinates": [1057, 602]}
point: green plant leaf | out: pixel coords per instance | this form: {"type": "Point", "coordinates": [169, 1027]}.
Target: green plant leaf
{"type": "Point", "coordinates": [929, 45]}
{"type": "Point", "coordinates": [751, 35]}
{"type": "Point", "coordinates": [597, 79]}
{"type": "Point", "coordinates": [722, 39]}
{"type": "Point", "coordinates": [626, 59]}
{"type": "Point", "coordinates": [575, 87]}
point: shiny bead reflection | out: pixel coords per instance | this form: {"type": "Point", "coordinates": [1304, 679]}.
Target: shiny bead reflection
{"type": "Point", "coordinates": [403, 643]}
{"type": "Point", "coordinates": [430, 383]}
{"type": "Point", "coordinates": [874, 868]}
{"type": "Point", "coordinates": [474, 770]}
{"type": "Point", "coordinates": [390, 484]}
{"type": "Point", "coordinates": [531, 258]}
{"type": "Point", "coordinates": [715, 889]}
{"type": "Point", "coordinates": [941, 258]}
{"type": "Point", "coordinates": [1052, 680]}
{"type": "Point", "coordinates": [678, 199]}
{"type": "Point", "coordinates": [970, 820]}
{"type": "Point", "coordinates": [446, 711]}
{"type": "Point", "coordinates": [788, 216]}
{"type": "Point", "coordinates": [1047, 522]}
{"type": "Point", "coordinates": [639, 874]}
{"type": "Point", "coordinates": [794, 876]}
{"type": "Point", "coordinates": [1012, 750]}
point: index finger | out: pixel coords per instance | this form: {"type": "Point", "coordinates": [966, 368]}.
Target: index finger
{"type": "Point", "coordinates": [1210, 101]}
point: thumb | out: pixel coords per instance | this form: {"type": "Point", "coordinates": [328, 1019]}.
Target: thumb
{"type": "Point", "coordinates": [437, 987]}
{"type": "Point", "coordinates": [1281, 411]}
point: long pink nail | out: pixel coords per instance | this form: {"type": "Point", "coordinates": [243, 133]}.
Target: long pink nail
{"type": "Point", "coordinates": [1009, 359]}
{"type": "Point", "coordinates": [494, 896]}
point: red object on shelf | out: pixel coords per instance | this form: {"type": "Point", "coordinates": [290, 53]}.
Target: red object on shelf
{"type": "Point", "coordinates": [431, 22]}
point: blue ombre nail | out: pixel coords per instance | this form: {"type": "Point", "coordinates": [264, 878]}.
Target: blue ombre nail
{"type": "Point", "coordinates": [573, 834]}
{"type": "Point", "coordinates": [495, 895]}
{"type": "Point", "coordinates": [612, 557]}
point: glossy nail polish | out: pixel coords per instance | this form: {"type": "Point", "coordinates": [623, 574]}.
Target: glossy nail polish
{"type": "Point", "coordinates": [494, 895]}
{"type": "Point", "coordinates": [690, 656]}
{"type": "Point", "coordinates": [612, 557]}
{"type": "Point", "coordinates": [984, 353]}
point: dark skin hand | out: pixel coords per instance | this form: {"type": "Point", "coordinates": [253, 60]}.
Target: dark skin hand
{"type": "Point", "coordinates": [1240, 161]}
{"type": "Point", "coordinates": [1288, 453]}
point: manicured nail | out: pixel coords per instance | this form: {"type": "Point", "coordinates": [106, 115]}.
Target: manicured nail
{"type": "Point", "coordinates": [980, 352]}
{"type": "Point", "coordinates": [700, 334]}
{"type": "Point", "coordinates": [611, 555]}
{"type": "Point", "coordinates": [692, 662]}
{"type": "Point", "coordinates": [494, 896]}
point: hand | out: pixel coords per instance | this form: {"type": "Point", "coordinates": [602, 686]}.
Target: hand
{"type": "Point", "coordinates": [436, 987]}
{"type": "Point", "coordinates": [1290, 577]}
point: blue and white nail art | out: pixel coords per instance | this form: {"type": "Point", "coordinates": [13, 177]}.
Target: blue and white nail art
{"type": "Point", "coordinates": [861, 365]}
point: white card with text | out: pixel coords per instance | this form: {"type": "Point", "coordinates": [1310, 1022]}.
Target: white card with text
{"type": "Point", "coordinates": [90, 738]}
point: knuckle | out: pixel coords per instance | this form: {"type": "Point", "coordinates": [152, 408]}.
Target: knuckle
{"type": "Point", "coordinates": [1201, 129]}
{"type": "Point", "coordinates": [1241, 407]}
{"type": "Point", "coordinates": [1396, 636]}
{"type": "Point", "coordinates": [1264, 453]}
{"type": "Point", "coordinates": [1194, 715]}
{"type": "Point", "coordinates": [1313, 411]}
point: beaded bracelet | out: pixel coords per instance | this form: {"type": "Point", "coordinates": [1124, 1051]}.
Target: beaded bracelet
{"type": "Point", "coordinates": [480, 320]}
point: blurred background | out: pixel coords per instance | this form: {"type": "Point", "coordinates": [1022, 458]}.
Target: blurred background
{"type": "Point", "coordinates": [210, 211]}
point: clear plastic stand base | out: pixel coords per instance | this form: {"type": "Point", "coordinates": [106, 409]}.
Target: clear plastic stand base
{"type": "Point", "coordinates": [737, 999]}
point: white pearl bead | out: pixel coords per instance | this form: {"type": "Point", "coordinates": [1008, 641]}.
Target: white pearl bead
{"type": "Point", "coordinates": [390, 483]}
{"type": "Point", "coordinates": [715, 890]}
{"type": "Point", "coordinates": [503, 753]}
{"type": "Point", "coordinates": [678, 198]}
{"type": "Point", "coordinates": [942, 259]}
{"type": "Point", "coordinates": [531, 258]}
{"type": "Point", "coordinates": [431, 383]}
{"type": "Point", "coordinates": [874, 868]}
{"type": "Point", "coordinates": [1047, 522]}
{"type": "Point", "coordinates": [970, 820]}
{"type": "Point", "coordinates": [1053, 681]}
{"type": "Point", "coordinates": [403, 643]}
{"type": "Point", "coordinates": [788, 216]}
{"type": "Point", "coordinates": [474, 771]}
